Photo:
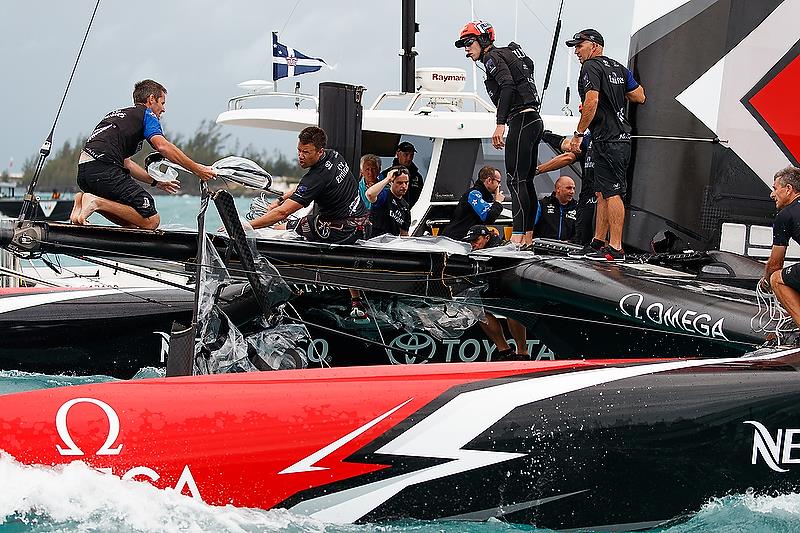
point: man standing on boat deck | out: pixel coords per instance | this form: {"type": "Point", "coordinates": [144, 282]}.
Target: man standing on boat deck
{"type": "Point", "coordinates": [404, 156]}
{"type": "Point", "coordinates": [390, 213]}
{"type": "Point", "coordinates": [510, 84]}
{"type": "Point", "coordinates": [341, 216]}
{"type": "Point", "coordinates": [370, 168]}
{"type": "Point", "coordinates": [481, 237]}
{"type": "Point", "coordinates": [785, 281]}
{"type": "Point", "coordinates": [106, 174]}
{"type": "Point", "coordinates": [481, 204]}
{"type": "Point", "coordinates": [604, 88]}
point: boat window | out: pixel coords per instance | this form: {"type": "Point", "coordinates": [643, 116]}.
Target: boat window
{"type": "Point", "coordinates": [384, 145]}
{"type": "Point", "coordinates": [456, 171]}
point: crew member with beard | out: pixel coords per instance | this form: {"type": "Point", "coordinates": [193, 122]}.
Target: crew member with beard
{"type": "Point", "coordinates": [481, 204]}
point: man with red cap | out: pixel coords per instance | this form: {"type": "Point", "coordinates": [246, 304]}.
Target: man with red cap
{"type": "Point", "coordinates": [510, 84]}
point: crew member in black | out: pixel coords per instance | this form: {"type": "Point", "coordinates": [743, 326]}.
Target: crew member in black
{"type": "Point", "coordinates": [584, 218]}
{"type": "Point", "coordinates": [785, 281]}
{"type": "Point", "coordinates": [106, 174]}
{"type": "Point", "coordinates": [603, 85]}
{"type": "Point", "coordinates": [390, 213]}
{"type": "Point", "coordinates": [341, 217]}
{"type": "Point", "coordinates": [557, 212]}
{"type": "Point", "coordinates": [510, 84]}
{"type": "Point", "coordinates": [481, 204]}
{"type": "Point", "coordinates": [481, 237]}
{"type": "Point", "coordinates": [404, 156]}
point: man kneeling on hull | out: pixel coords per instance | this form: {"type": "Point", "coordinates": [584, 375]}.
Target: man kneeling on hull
{"type": "Point", "coordinates": [108, 176]}
{"type": "Point", "coordinates": [785, 281]}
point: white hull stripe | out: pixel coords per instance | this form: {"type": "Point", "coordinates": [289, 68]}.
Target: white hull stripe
{"type": "Point", "coordinates": [15, 303]}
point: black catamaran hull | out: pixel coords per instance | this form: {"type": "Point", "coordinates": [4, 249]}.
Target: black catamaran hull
{"type": "Point", "coordinates": [572, 307]}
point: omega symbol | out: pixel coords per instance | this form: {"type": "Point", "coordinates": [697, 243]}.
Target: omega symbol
{"type": "Point", "coordinates": [66, 438]}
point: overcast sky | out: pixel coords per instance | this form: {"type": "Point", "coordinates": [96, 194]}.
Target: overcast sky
{"type": "Point", "coordinates": [201, 49]}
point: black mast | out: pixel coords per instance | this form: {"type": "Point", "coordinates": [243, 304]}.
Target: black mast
{"type": "Point", "coordinates": [408, 54]}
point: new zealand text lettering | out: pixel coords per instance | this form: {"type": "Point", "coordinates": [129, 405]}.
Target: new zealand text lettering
{"type": "Point", "coordinates": [784, 449]}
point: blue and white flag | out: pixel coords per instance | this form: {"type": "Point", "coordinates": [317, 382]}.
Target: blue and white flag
{"type": "Point", "coordinates": [288, 62]}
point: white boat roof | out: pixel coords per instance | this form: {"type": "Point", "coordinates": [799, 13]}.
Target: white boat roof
{"type": "Point", "coordinates": [427, 114]}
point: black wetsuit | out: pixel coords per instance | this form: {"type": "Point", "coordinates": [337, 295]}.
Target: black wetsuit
{"type": "Point", "coordinates": [341, 216]}
{"type": "Point", "coordinates": [476, 206]}
{"type": "Point", "coordinates": [556, 221]}
{"type": "Point", "coordinates": [610, 149]}
{"type": "Point", "coordinates": [389, 214]}
{"type": "Point", "coordinates": [786, 227]}
{"type": "Point", "coordinates": [117, 137]}
{"type": "Point", "coordinates": [510, 84]}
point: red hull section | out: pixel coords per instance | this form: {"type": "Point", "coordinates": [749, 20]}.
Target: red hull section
{"type": "Point", "coordinates": [233, 435]}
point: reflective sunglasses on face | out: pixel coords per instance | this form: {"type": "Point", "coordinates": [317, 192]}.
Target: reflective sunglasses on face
{"type": "Point", "coordinates": [468, 41]}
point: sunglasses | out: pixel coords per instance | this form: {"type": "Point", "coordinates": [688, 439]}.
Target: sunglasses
{"type": "Point", "coordinates": [468, 41]}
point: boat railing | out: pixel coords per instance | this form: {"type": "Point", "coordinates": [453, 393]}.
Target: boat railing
{"type": "Point", "coordinates": [237, 102]}
{"type": "Point", "coordinates": [451, 101]}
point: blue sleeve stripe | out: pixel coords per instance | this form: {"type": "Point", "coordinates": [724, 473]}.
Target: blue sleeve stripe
{"type": "Point", "coordinates": [480, 205]}
{"type": "Point", "coordinates": [630, 82]}
{"type": "Point", "coordinates": [151, 125]}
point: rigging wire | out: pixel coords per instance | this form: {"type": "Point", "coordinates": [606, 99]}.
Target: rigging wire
{"type": "Point", "coordinates": [289, 17]}
{"type": "Point", "coordinates": [28, 206]}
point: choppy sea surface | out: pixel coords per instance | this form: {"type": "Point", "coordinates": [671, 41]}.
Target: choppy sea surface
{"type": "Point", "coordinates": [75, 498]}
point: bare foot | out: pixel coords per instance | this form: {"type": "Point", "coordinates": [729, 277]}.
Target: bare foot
{"type": "Point", "coordinates": [88, 206]}
{"type": "Point", "coordinates": [76, 208]}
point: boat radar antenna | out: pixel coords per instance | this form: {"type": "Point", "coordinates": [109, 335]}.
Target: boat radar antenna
{"type": "Point", "coordinates": [29, 201]}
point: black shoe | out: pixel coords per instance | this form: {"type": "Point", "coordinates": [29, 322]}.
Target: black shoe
{"type": "Point", "coordinates": [612, 254]}
{"type": "Point", "coordinates": [504, 355]}
{"type": "Point", "coordinates": [591, 248]}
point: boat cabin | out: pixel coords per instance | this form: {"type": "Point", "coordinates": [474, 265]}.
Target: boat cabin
{"type": "Point", "coordinates": [449, 127]}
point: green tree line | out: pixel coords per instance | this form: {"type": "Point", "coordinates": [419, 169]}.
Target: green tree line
{"type": "Point", "coordinates": [206, 145]}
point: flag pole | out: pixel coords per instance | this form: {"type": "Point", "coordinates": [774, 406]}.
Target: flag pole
{"type": "Point", "coordinates": [272, 55]}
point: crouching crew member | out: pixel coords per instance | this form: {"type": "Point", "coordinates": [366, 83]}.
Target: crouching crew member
{"type": "Point", "coordinates": [341, 216]}
{"type": "Point", "coordinates": [785, 281]}
{"type": "Point", "coordinates": [481, 204]}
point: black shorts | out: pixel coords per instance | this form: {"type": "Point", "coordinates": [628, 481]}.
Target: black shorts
{"type": "Point", "coordinates": [610, 163]}
{"type": "Point", "coordinates": [791, 276]}
{"type": "Point", "coordinates": [316, 230]}
{"type": "Point", "coordinates": [114, 183]}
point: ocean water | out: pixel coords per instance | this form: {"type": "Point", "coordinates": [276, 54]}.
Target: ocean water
{"type": "Point", "coordinates": [75, 498]}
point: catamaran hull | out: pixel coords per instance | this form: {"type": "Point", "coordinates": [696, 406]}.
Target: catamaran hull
{"type": "Point", "coordinates": [573, 444]}
{"type": "Point", "coordinates": [108, 331]}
